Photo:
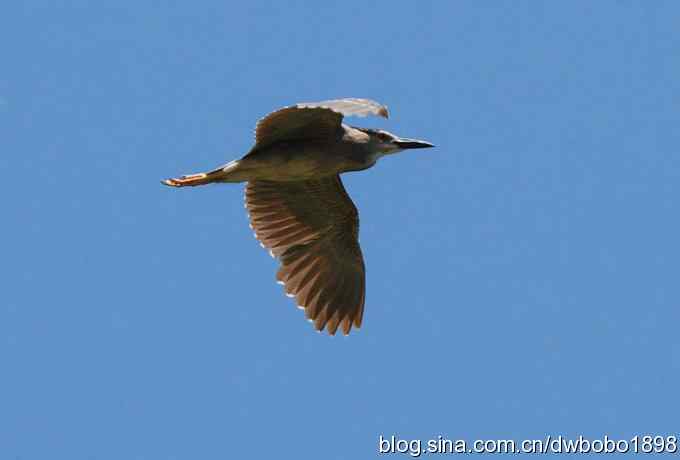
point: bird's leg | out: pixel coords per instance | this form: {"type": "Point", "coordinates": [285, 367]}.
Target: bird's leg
{"type": "Point", "coordinates": [190, 180]}
{"type": "Point", "coordinates": [235, 171]}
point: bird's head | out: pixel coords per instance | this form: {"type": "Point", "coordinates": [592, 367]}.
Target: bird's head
{"type": "Point", "coordinates": [382, 142]}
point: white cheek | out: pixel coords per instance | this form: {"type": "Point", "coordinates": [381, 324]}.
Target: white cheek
{"type": "Point", "coordinates": [388, 148]}
{"type": "Point", "coordinates": [385, 149]}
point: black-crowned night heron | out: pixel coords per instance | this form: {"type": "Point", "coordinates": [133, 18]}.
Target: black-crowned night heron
{"type": "Point", "coordinates": [298, 206]}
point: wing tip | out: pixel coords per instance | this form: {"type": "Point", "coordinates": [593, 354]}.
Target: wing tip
{"type": "Point", "coordinates": [376, 108]}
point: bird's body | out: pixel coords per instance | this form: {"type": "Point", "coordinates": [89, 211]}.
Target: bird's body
{"type": "Point", "coordinates": [293, 160]}
{"type": "Point", "coordinates": [298, 206]}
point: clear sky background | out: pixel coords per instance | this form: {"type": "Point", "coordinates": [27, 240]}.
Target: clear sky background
{"type": "Point", "coordinates": [522, 276]}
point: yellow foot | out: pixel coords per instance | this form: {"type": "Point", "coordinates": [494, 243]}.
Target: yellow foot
{"type": "Point", "coordinates": [190, 180]}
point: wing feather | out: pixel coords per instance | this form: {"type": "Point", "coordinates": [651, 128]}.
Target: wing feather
{"type": "Point", "coordinates": [313, 227]}
{"type": "Point", "coordinates": [350, 107]}
{"type": "Point", "coordinates": [312, 120]}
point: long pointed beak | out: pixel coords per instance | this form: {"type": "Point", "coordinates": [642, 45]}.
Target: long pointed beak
{"type": "Point", "coordinates": [404, 143]}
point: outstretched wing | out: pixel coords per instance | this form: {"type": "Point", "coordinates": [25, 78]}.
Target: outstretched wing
{"type": "Point", "coordinates": [312, 120]}
{"type": "Point", "coordinates": [350, 107]}
{"type": "Point", "coordinates": [313, 227]}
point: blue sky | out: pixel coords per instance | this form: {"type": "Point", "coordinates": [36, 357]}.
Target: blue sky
{"type": "Point", "coordinates": [522, 276]}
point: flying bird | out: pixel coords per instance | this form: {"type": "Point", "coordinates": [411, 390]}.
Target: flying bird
{"type": "Point", "coordinates": [298, 207]}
